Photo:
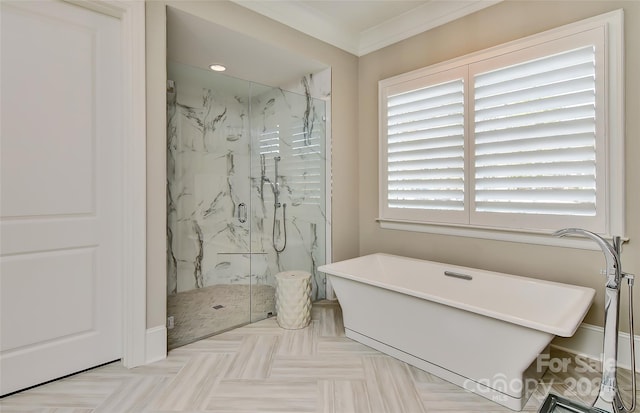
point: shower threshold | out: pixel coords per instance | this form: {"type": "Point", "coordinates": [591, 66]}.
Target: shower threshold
{"type": "Point", "coordinates": [557, 404]}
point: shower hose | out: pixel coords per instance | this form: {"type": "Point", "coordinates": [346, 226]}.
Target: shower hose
{"type": "Point", "coordinates": [284, 228]}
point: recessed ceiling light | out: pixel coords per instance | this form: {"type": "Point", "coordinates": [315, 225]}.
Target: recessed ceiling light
{"type": "Point", "coordinates": [217, 67]}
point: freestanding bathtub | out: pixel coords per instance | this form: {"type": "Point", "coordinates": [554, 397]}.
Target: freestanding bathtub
{"type": "Point", "coordinates": [478, 329]}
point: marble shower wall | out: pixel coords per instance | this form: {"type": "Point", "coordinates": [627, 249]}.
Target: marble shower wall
{"type": "Point", "coordinates": [291, 126]}
{"type": "Point", "coordinates": [218, 128]}
{"type": "Point", "coordinates": [207, 164]}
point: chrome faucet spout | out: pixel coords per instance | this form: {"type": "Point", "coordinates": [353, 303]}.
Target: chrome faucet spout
{"type": "Point", "coordinates": [611, 255]}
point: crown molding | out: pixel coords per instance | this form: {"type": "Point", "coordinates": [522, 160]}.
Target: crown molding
{"type": "Point", "coordinates": [416, 21]}
{"type": "Point", "coordinates": [307, 20]}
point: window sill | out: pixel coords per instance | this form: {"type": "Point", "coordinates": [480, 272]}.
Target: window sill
{"type": "Point", "coordinates": [536, 238]}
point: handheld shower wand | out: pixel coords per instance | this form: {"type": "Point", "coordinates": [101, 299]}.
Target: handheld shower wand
{"type": "Point", "coordinates": [276, 205]}
{"type": "Point", "coordinates": [275, 187]}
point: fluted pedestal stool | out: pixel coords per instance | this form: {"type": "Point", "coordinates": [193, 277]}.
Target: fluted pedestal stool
{"type": "Point", "coordinates": [293, 299]}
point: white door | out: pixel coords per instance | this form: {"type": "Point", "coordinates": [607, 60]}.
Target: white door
{"type": "Point", "coordinates": [61, 192]}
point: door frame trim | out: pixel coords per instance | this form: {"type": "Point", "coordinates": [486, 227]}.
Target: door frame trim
{"type": "Point", "coordinates": [133, 249]}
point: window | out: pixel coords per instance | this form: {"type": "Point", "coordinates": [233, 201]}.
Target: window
{"type": "Point", "coordinates": [425, 148]}
{"type": "Point", "coordinates": [522, 137]}
{"type": "Point", "coordinates": [269, 141]}
{"type": "Point", "coordinates": [306, 166]}
{"type": "Point", "coordinates": [302, 159]}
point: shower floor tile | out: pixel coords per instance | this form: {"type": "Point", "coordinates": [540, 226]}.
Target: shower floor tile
{"type": "Point", "coordinates": [205, 311]}
{"type": "Point", "coordinates": [262, 368]}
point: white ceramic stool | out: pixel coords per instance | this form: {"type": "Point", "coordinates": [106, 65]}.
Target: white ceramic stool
{"type": "Point", "coordinates": [293, 299]}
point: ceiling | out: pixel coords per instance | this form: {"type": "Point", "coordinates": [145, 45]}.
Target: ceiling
{"type": "Point", "coordinates": [364, 26]}
{"type": "Point", "coordinates": [356, 26]}
{"type": "Point", "coordinates": [197, 42]}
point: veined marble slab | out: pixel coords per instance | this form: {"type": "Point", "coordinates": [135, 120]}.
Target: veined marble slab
{"type": "Point", "coordinates": [223, 136]}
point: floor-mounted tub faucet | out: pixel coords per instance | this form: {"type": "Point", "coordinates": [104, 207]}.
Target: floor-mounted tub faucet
{"type": "Point", "coordinates": [612, 257]}
{"type": "Point", "coordinates": [609, 399]}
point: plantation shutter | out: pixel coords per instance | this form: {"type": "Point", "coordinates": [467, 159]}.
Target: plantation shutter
{"type": "Point", "coordinates": [305, 166]}
{"type": "Point", "coordinates": [525, 137]}
{"type": "Point", "coordinates": [535, 136]}
{"type": "Point", "coordinates": [425, 148]}
{"type": "Point", "coordinates": [302, 159]}
{"type": "Point", "coordinates": [269, 141]}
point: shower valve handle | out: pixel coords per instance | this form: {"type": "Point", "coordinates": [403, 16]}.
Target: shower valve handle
{"type": "Point", "coordinates": [242, 213]}
{"type": "Point", "coordinates": [630, 277]}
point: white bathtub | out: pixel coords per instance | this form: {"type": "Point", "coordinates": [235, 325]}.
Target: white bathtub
{"type": "Point", "coordinates": [478, 329]}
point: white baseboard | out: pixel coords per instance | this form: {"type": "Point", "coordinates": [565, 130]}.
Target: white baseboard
{"type": "Point", "coordinates": [156, 344]}
{"type": "Point", "coordinates": [587, 341]}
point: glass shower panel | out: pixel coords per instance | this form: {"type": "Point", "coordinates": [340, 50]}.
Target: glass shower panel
{"type": "Point", "coordinates": [246, 176]}
{"type": "Point", "coordinates": [288, 185]}
{"type": "Point", "coordinates": [208, 223]}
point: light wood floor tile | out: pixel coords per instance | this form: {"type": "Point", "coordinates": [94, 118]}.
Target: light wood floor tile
{"type": "Point", "coordinates": [319, 367]}
{"type": "Point", "coordinates": [347, 396]}
{"type": "Point", "coordinates": [190, 389]}
{"type": "Point", "coordinates": [32, 409]}
{"type": "Point", "coordinates": [301, 342]}
{"type": "Point", "coordinates": [342, 345]}
{"type": "Point", "coordinates": [267, 326]}
{"type": "Point", "coordinates": [69, 393]}
{"type": "Point", "coordinates": [389, 386]}
{"type": "Point", "coordinates": [325, 397]}
{"type": "Point", "coordinates": [223, 343]}
{"type": "Point", "coordinates": [268, 389]}
{"type": "Point", "coordinates": [444, 401]}
{"type": "Point", "coordinates": [264, 395]}
{"type": "Point", "coordinates": [254, 357]}
{"type": "Point", "coordinates": [264, 368]}
{"type": "Point", "coordinates": [65, 410]}
{"type": "Point", "coordinates": [134, 394]}
{"type": "Point", "coordinates": [168, 367]}
{"type": "Point", "coordinates": [330, 317]}
{"type": "Point", "coordinates": [252, 405]}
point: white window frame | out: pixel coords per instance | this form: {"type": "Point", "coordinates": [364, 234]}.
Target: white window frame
{"type": "Point", "coordinates": [498, 226]}
{"type": "Point", "coordinates": [596, 223]}
{"type": "Point", "coordinates": [427, 78]}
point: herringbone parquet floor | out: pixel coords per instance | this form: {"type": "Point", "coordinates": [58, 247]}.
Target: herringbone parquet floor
{"type": "Point", "coordinates": [263, 368]}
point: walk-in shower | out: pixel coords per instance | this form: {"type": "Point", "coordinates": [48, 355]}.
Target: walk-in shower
{"type": "Point", "coordinates": [246, 197]}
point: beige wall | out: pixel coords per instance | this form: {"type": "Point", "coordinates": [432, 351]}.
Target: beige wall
{"type": "Point", "coordinates": [355, 138]}
{"type": "Point", "coordinates": [501, 23]}
{"type": "Point", "coordinates": [344, 129]}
